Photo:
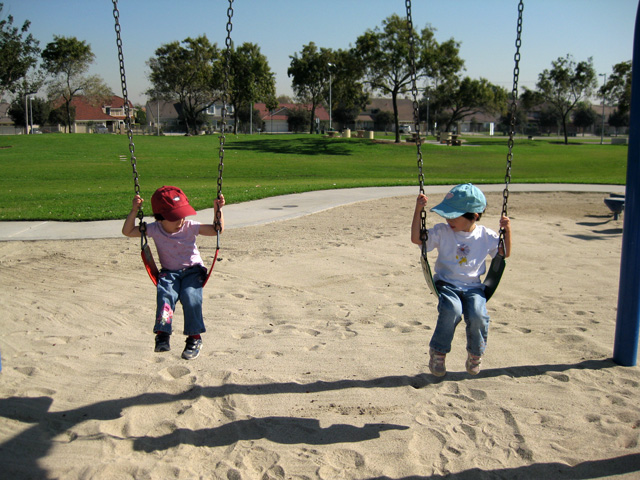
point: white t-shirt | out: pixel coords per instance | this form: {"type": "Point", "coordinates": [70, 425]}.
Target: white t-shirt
{"type": "Point", "coordinates": [176, 250]}
{"type": "Point", "coordinates": [461, 255]}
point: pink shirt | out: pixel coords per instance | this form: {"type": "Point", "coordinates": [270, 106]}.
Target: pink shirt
{"type": "Point", "coordinates": [176, 250]}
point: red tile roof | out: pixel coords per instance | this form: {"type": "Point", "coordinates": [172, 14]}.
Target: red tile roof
{"type": "Point", "coordinates": [85, 111]}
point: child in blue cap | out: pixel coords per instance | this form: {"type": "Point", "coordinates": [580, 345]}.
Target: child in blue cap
{"type": "Point", "coordinates": [463, 247]}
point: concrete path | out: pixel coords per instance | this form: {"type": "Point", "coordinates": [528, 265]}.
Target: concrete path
{"type": "Point", "coordinates": [268, 210]}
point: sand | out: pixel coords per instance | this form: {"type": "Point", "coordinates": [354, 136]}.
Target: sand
{"type": "Point", "coordinates": [314, 364]}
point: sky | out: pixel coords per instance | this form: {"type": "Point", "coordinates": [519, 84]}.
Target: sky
{"type": "Point", "coordinates": [486, 29]}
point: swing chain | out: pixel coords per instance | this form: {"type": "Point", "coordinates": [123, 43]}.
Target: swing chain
{"type": "Point", "coordinates": [223, 121]}
{"type": "Point", "coordinates": [512, 115]}
{"type": "Point", "coordinates": [416, 121]}
{"type": "Point", "coordinates": [127, 114]}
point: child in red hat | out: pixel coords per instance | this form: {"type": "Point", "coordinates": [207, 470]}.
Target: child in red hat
{"type": "Point", "coordinates": [183, 272]}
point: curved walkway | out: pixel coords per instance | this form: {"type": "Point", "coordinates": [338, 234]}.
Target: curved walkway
{"type": "Point", "coordinates": [267, 210]}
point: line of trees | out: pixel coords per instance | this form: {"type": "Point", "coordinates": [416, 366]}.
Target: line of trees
{"type": "Point", "coordinates": [192, 72]}
{"type": "Point", "coordinates": [64, 63]}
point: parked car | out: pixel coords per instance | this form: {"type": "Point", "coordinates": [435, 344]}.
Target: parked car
{"type": "Point", "coordinates": [404, 128]}
{"type": "Point", "coordinates": [36, 131]}
{"type": "Point", "coordinates": [100, 129]}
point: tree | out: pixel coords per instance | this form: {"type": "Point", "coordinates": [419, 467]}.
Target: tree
{"type": "Point", "coordinates": [383, 120]}
{"type": "Point", "coordinates": [37, 107]}
{"type": "Point", "coordinates": [565, 85]}
{"type": "Point", "coordinates": [618, 119]}
{"type": "Point", "coordinates": [460, 98]}
{"type": "Point", "coordinates": [299, 119]}
{"type": "Point", "coordinates": [549, 120]}
{"type": "Point", "coordinates": [247, 117]}
{"type": "Point", "coordinates": [67, 59]}
{"type": "Point", "coordinates": [348, 96]}
{"type": "Point", "coordinates": [386, 54]}
{"type": "Point", "coordinates": [251, 80]}
{"type": "Point", "coordinates": [18, 53]}
{"type": "Point", "coordinates": [584, 116]}
{"type": "Point", "coordinates": [141, 115]}
{"type": "Point", "coordinates": [504, 124]}
{"type": "Point", "coordinates": [184, 72]}
{"type": "Point", "coordinates": [310, 75]}
{"type": "Point", "coordinates": [618, 89]}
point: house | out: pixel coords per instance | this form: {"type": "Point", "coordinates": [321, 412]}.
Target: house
{"type": "Point", "coordinates": [164, 115]}
{"type": "Point", "coordinates": [366, 119]}
{"type": "Point", "coordinates": [109, 113]}
{"type": "Point", "coordinates": [6, 122]}
{"type": "Point", "coordinates": [167, 116]}
{"type": "Point", "coordinates": [276, 120]}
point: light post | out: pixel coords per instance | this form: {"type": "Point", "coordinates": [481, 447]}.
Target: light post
{"type": "Point", "coordinates": [603, 100]}
{"type": "Point", "coordinates": [330, 65]}
{"type": "Point", "coordinates": [31, 113]}
{"type": "Point", "coordinates": [26, 113]}
{"type": "Point", "coordinates": [427, 129]}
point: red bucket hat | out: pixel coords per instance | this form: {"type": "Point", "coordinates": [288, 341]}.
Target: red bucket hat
{"type": "Point", "coordinates": [171, 203]}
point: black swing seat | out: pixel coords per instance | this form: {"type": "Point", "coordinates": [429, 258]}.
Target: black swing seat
{"type": "Point", "coordinates": [426, 269]}
{"type": "Point", "coordinates": [491, 280]}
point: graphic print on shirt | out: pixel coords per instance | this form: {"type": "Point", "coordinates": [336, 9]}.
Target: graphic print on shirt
{"type": "Point", "coordinates": [166, 316]}
{"type": "Point", "coordinates": [462, 252]}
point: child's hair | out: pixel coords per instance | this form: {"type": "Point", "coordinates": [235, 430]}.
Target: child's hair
{"type": "Point", "coordinates": [158, 216]}
{"type": "Point", "coordinates": [472, 216]}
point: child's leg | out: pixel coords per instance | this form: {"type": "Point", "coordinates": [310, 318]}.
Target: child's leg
{"type": "Point", "coordinates": [166, 298]}
{"type": "Point", "coordinates": [477, 320]}
{"type": "Point", "coordinates": [449, 315]}
{"type": "Point", "coordinates": [191, 299]}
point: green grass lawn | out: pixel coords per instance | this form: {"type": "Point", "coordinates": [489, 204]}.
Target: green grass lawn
{"type": "Point", "coordinates": [89, 177]}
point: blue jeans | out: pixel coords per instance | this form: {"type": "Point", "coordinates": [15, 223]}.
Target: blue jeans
{"type": "Point", "coordinates": [186, 286]}
{"type": "Point", "coordinates": [454, 303]}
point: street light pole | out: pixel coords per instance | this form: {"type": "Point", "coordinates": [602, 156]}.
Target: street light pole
{"type": "Point", "coordinates": [330, 65]}
{"type": "Point", "coordinates": [26, 114]}
{"type": "Point", "coordinates": [603, 100]}
{"type": "Point", "coordinates": [31, 112]}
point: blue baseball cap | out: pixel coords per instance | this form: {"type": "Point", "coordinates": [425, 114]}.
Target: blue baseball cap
{"type": "Point", "coordinates": [461, 199]}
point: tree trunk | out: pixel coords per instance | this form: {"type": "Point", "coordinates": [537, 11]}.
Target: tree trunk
{"type": "Point", "coordinates": [394, 101]}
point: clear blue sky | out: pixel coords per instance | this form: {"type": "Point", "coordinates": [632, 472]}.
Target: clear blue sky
{"type": "Point", "coordinates": [602, 29]}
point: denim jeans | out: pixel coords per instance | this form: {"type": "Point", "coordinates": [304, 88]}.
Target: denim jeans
{"type": "Point", "coordinates": [454, 303]}
{"type": "Point", "coordinates": [186, 286]}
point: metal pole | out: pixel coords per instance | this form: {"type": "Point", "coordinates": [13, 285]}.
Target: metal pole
{"type": "Point", "coordinates": [31, 112]}
{"type": "Point", "coordinates": [26, 113]}
{"type": "Point", "coordinates": [426, 133]}
{"type": "Point", "coordinates": [602, 131]}
{"type": "Point", "coordinates": [625, 350]}
{"type": "Point", "coordinates": [330, 124]}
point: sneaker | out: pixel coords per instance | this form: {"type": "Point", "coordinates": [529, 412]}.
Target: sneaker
{"type": "Point", "coordinates": [192, 348]}
{"type": "Point", "coordinates": [436, 363]}
{"type": "Point", "coordinates": [162, 342]}
{"type": "Point", "coordinates": [473, 364]}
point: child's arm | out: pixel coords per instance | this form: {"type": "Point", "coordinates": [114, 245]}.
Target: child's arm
{"type": "Point", "coordinates": [211, 230]}
{"type": "Point", "coordinates": [505, 223]}
{"type": "Point", "coordinates": [129, 229]}
{"type": "Point", "coordinates": [416, 224]}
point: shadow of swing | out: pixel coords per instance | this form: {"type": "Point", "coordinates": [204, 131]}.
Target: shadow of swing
{"type": "Point", "coordinates": [20, 455]}
{"type": "Point", "coordinates": [608, 467]}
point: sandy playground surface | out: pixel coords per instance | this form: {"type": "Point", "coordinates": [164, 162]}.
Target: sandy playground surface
{"type": "Point", "coordinates": [315, 360]}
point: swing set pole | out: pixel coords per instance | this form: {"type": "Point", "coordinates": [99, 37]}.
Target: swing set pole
{"type": "Point", "coordinates": [625, 350]}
